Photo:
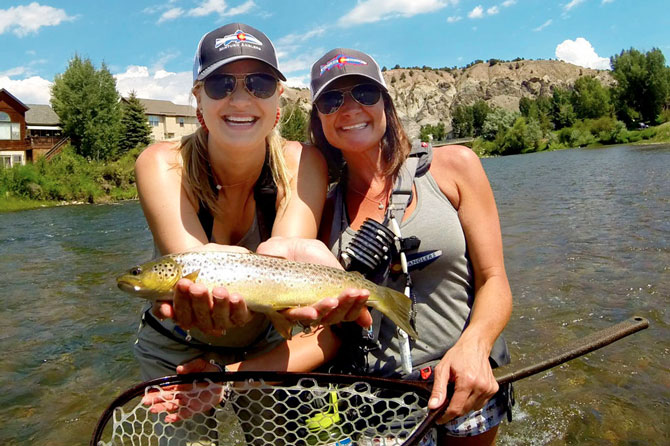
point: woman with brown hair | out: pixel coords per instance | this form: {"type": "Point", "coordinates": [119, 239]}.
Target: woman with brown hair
{"type": "Point", "coordinates": [443, 212]}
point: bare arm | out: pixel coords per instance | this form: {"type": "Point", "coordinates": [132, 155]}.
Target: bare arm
{"type": "Point", "coordinates": [461, 177]}
{"type": "Point", "coordinates": [170, 212]}
{"type": "Point", "coordinates": [301, 214]}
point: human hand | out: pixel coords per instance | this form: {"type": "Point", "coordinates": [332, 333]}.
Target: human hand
{"type": "Point", "coordinates": [350, 305]}
{"type": "Point", "coordinates": [182, 401]}
{"type": "Point", "coordinates": [466, 364]}
{"type": "Point", "coordinates": [194, 307]}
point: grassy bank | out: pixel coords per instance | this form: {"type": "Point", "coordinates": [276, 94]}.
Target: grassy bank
{"type": "Point", "coordinates": [67, 178]}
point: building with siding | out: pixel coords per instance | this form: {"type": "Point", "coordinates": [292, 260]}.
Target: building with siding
{"type": "Point", "coordinates": [169, 121]}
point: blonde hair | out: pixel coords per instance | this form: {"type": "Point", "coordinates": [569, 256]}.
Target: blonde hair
{"type": "Point", "coordinates": [198, 170]}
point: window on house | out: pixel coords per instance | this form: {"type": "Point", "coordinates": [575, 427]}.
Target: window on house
{"type": "Point", "coordinates": [11, 160]}
{"type": "Point", "coordinates": [9, 130]}
{"type": "Point", "coordinates": [181, 122]}
{"type": "Point", "coordinates": [154, 121]}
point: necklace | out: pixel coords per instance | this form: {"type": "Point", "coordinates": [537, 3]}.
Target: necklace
{"type": "Point", "coordinates": [381, 204]}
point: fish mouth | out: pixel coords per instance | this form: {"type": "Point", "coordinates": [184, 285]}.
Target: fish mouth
{"type": "Point", "coordinates": [128, 286]}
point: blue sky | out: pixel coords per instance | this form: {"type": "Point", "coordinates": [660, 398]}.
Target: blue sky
{"type": "Point", "coordinates": [148, 44]}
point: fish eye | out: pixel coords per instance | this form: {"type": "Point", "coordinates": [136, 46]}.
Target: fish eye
{"type": "Point", "coordinates": [136, 271]}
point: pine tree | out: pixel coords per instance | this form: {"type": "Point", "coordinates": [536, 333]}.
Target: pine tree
{"type": "Point", "coordinates": [135, 128]}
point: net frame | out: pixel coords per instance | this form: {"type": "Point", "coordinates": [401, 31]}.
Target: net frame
{"type": "Point", "coordinates": [277, 408]}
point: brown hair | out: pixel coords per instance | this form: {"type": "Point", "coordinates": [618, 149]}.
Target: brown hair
{"type": "Point", "coordinates": [395, 145]}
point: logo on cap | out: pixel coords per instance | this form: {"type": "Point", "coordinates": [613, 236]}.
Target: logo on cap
{"type": "Point", "coordinates": [238, 37]}
{"type": "Point", "coordinates": [340, 61]}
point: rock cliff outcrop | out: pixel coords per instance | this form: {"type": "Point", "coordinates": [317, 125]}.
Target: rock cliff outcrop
{"type": "Point", "coordinates": [429, 96]}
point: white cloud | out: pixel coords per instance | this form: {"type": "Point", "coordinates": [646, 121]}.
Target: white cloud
{"type": "Point", "coordinates": [156, 84]}
{"type": "Point", "coordinates": [171, 14]}
{"type": "Point", "coordinates": [298, 81]}
{"type": "Point", "coordinates": [544, 25]}
{"type": "Point", "coordinates": [32, 90]}
{"type": "Point", "coordinates": [454, 19]}
{"type": "Point", "coordinates": [493, 10]}
{"type": "Point", "coordinates": [508, 3]}
{"type": "Point", "coordinates": [369, 11]}
{"type": "Point", "coordinates": [572, 4]}
{"type": "Point", "coordinates": [476, 13]}
{"type": "Point", "coordinates": [25, 19]}
{"type": "Point", "coordinates": [206, 7]}
{"type": "Point", "coordinates": [580, 52]}
{"type": "Point", "coordinates": [219, 7]}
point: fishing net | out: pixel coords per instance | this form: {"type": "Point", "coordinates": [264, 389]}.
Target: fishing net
{"type": "Point", "coordinates": [258, 412]}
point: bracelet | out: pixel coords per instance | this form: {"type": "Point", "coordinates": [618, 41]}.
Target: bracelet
{"type": "Point", "coordinates": [221, 367]}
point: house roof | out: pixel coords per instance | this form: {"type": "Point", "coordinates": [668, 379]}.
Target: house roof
{"type": "Point", "coordinates": [13, 98]}
{"type": "Point", "coordinates": [41, 115]}
{"type": "Point", "coordinates": [166, 108]}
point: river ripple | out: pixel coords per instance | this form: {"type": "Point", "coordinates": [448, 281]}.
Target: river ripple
{"type": "Point", "coordinates": [587, 244]}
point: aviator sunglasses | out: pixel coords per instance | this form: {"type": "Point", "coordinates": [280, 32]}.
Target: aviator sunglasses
{"type": "Point", "coordinates": [365, 94]}
{"type": "Point", "coordinates": [260, 85]}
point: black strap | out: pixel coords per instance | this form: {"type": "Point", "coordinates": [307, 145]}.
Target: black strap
{"type": "Point", "coordinates": [151, 320]}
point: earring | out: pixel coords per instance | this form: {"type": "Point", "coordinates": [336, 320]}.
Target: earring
{"type": "Point", "coordinates": [278, 116]}
{"type": "Point", "coordinates": [201, 120]}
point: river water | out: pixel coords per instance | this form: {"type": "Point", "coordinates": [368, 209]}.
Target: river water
{"type": "Point", "coordinates": [587, 244]}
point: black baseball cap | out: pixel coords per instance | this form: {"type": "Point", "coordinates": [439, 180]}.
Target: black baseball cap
{"type": "Point", "coordinates": [343, 62]}
{"type": "Point", "coordinates": [231, 42]}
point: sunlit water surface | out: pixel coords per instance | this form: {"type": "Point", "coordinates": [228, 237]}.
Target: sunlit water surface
{"type": "Point", "coordinates": [587, 244]}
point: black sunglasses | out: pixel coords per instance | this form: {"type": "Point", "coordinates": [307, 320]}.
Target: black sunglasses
{"type": "Point", "coordinates": [261, 85]}
{"type": "Point", "coordinates": [365, 94]}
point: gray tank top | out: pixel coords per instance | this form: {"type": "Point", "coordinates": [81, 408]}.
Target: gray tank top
{"type": "Point", "coordinates": [442, 281]}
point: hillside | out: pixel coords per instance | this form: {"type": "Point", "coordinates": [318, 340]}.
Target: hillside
{"type": "Point", "coordinates": [427, 97]}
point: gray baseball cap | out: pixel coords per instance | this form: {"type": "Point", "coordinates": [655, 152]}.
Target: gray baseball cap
{"type": "Point", "coordinates": [231, 42]}
{"type": "Point", "coordinates": [343, 62]}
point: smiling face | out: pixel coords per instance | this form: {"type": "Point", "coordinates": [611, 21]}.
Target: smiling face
{"type": "Point", "coordinates": [354, 127]}
{"type": "Point", "coordinates": [239, 120]}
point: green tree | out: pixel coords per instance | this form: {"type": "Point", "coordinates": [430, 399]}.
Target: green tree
{"type": "Point", "coordinates": [293, 124]}
{"type": "Point", "coordinates": [643, 84]}
{"type": "Point", "coordinates": [562, 112]}
{"type": "Point", "coordinates": [462, 121]}
{"type": "Point", "coordinates": [135, 129]}
{"type": "Point", "coordinates": [87, 104]}
{"type": "Point", "coordinates": [480, 110]}
{"type": "Point", "coordinates": [497, 122]}
{"type": "Point", "coordinates": [590, 99]}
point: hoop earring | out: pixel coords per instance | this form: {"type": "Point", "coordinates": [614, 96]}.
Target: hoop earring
{"type": "Point", "coordinates": [201, 120]}
{"type": "Point", "coordinates": [278, 116]}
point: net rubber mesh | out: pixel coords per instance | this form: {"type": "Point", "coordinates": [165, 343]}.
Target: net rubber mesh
{"type": "Point", "coordinates": [253, 412]}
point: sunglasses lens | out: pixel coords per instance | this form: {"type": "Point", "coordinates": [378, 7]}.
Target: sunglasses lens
{"type": "Point", "coordinates": [261, 85]}
{"type": "Point", "coordinates": [218, 86]}
{"type": "Point", "coordinates": [330, 101]}
{"type": "Point", "coordinates": [366, 94]}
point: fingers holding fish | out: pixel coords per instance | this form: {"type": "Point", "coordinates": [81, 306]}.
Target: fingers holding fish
{"type": "Point", "coordinates": [352, 305]}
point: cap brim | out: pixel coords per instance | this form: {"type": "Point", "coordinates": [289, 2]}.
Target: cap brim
{"type": "Point", "coordinates": [215, 66]}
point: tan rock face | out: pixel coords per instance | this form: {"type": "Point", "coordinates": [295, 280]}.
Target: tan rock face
{"type": "Point", "coordinates": [428, 97]}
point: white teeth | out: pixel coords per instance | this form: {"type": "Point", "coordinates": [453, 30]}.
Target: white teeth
{"type": "Point", "coordinates": [243, 119]}
{"type": "Point", "coordinates": [362, 125]}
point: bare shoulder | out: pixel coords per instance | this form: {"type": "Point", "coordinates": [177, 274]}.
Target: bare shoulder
{"type": "Point", "coordinates": [159, 155]}
{"type": "Point", "coordinates": [298, 153]}
{"type": "Point", "coordinates": [454, 161]}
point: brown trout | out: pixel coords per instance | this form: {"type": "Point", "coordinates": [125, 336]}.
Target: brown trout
{"type": "Point", "coordinates": [267, 284]}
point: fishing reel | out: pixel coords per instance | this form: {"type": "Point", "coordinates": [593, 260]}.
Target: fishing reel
{"type": "Point", "coordinates": [370, 251]}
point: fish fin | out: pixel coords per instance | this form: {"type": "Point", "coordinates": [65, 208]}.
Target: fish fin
{"type": "Point", "coordinates": [283, 326]}
{"type": "Point", "coordinates": [396, 306]}
{"type": "Point", "coordinates": [192, 276]}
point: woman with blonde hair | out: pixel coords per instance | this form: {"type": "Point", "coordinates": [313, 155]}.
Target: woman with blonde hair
{"type": "Point", "coordinates": [234, 182]}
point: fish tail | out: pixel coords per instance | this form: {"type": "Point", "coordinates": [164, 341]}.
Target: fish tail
{"type": "Point", "coordinates": [397, 307]}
